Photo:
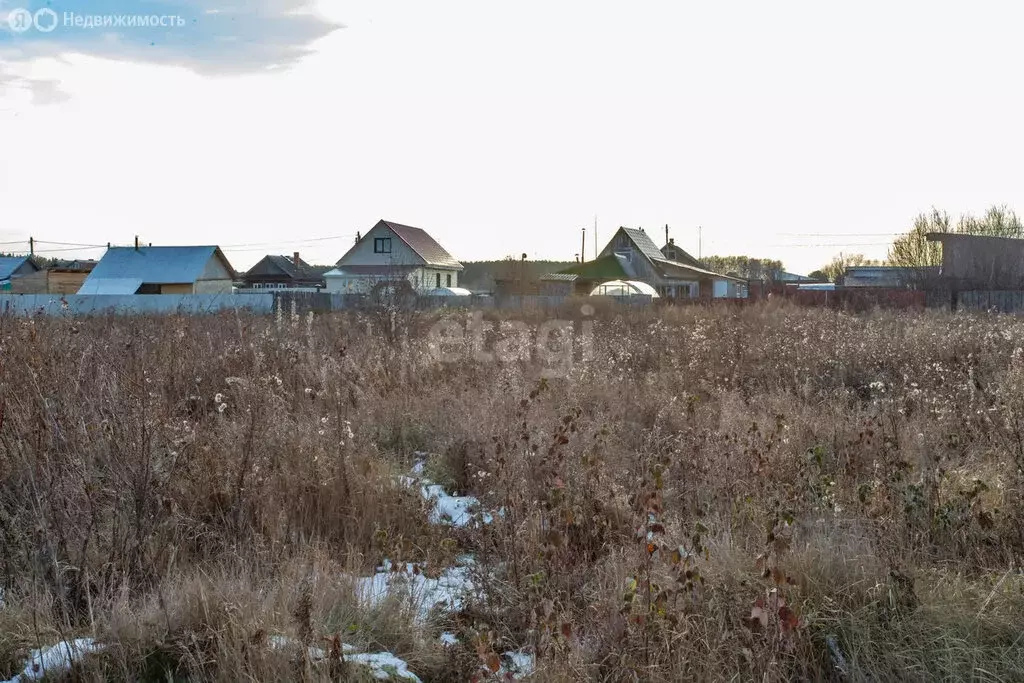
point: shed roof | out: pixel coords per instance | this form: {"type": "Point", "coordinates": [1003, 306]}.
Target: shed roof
{"type": "Point", "coordinates": [157, 265]}
{"type": "Point", "coordinates": [559, 277]}
{"type": "Point", "coordinates": [608, 267]}
{"type": "Point", "coordinates": [9, 264]}
{"type": "Point", "coordinates": [110, 285]}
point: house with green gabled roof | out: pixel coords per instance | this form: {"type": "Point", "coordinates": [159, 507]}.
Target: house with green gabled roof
{"type": "Point", "coordinates": [632, 255]}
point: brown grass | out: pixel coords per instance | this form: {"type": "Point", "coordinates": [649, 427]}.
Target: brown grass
{"type": "Point", "coordinates": [763, 493]}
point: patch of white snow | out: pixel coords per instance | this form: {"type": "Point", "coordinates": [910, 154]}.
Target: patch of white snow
{"type": "Point", "coordinates": [448, 590]}
{"type": "Point", "coordinates": [384, 666]}
{"type": "Point", "coordinates": [56, 659]}
{"type": "Point", "coordinates": [518, 664]}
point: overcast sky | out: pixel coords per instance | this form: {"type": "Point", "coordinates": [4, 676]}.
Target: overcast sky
{"type": "Point", "coordinates": [787, 129]}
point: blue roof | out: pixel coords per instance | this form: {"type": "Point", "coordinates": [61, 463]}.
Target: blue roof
{"type": "Point", "coordinates": [156, 265]}
{"type": "Point", "coordinates": [9, 264]}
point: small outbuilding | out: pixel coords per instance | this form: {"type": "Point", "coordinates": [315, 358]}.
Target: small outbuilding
{"type": "Point", "coordinates": [161, 270]}
{"type": "Point", "coordinates": [13, 268]}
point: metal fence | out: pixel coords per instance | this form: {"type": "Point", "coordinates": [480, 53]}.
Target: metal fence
{"type": "Point", "coordinates": [1004, 301]}
{"type": "Point", "coordinates": [134, 304]}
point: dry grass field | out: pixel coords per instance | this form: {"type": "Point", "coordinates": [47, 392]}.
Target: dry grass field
{"type": "Point", "coordinates": [762, 493]}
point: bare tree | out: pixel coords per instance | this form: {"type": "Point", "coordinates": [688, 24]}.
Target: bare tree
{"type": "Point", "coordinates": [913, 250]}
{"type": "Point", "coordinates": [834, 270]}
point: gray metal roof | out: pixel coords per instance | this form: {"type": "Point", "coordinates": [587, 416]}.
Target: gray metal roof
{"type": "Point", "coordinates": [648, 248]}
{"type": "Point", "coordinates": [106, 285]}
{"type": "Point", "coordinates": [9, 264]}
{"type": "Point", "coordinates": [156, 265]}
{"type": "Point", "coordinates": [645, 244]}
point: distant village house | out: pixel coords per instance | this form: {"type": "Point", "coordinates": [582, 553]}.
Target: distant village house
{"type": "Point", "coordinates": [161, 270]}
{"type": "Point", "coordinates": [284, 272]}
{"type": "Point", "coordinates": [632, 256]}
{"type": "Point", "coordinates": [14, 268]}
{"type": "Point", "coordinates": [394, 255]}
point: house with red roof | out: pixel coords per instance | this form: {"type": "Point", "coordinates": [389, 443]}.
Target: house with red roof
{"type": "Point", "coordinates": [395, 257]}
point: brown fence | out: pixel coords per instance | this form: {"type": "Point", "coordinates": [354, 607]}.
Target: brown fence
{"type": "Point", "coordinates": [860, 299]}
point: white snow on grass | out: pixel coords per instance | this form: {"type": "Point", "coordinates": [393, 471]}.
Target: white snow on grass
{"type": "Point", "coordinates": [384, 666]}
{"type": "Point", "coordinates": [448, 639]}
{"type": "Point", "coordinates": [447, 591]}
{"type": "Point", "coordinates": [55, 660]}
{"type": "Point", "coordinates": [448, 509]}
{"type": "Point", "coordinates": [517, 664]}
{"type": "Point", "coordinates": [457, 511]}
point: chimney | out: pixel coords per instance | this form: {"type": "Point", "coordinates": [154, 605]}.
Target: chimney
{"type": "Point", "coordinates": [136, 243]}
{"type": "Point", "coordinates": [358, 237]}
{"type": "Point", "coordinates": [671, 240]}
{"type": "Point", "coordinates": [295, 259]}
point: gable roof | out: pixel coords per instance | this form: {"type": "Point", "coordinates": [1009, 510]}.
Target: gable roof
{"type": "Point", "coordinates": [157, 265]}
{"type": "Point", "coordinates": [10, 264]}
{"type": "Point", "coordinates": [680, 255]}
{"type": "Point", "coordinates": [644, 244]}
{"type": "Point", "coordinates": [667, 267]}
{"type": "Point", "coordinates": [417, 239]}
{"type": "Point", "coordinates": [286, 264]}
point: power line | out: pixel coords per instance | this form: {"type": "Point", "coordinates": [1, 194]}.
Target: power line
{"type": "Point", "coordinates": [273, 244]}
{"type": "Point", "coordinates": [73, 244]}
{"type": "Point", "coordinates": [841, 234]}
{"type": "Point", "coordinates": [56, 251]}
{"type": "Point", "coordinates": [818, 245]}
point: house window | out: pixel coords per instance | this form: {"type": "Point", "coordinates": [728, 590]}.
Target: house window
{"type": "Point", "coordinates": [438, 280]}
{"type": "Point", "coordinates": [449, 278]}
{"type": "Point", "coordinates": [381, 245]}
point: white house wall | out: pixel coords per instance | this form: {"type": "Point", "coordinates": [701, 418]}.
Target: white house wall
{"type": "Point", "coordinates": [362, 254]}
{"type": "Point", "coordinates": [421, 279]}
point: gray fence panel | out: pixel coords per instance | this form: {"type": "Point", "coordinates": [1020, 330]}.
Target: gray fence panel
{"type": "Point", "coordinates": [1004, 301]}
{"type": "Point", "coordinates": [134, 304]}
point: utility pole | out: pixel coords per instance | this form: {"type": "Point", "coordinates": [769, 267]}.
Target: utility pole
{"type": "Point", "coordinates": [583, 248]}
{"type": "Point", "coordinates": [31, 246]}
{"type": "Point", "coordinates": [666, 233]}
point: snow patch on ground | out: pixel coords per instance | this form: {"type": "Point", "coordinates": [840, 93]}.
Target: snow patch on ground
{"type": "Point", "coordinates": [457, 511]}
{"type": "Point", "coordinates": [55, 660]}
{"type": "Point", "coordinates": [447, 591]}
{"type": "Point", "coordinates": [448, 639]}
{"type": "Point", "coordinates": [517, 664]}
{"type": "Point", "coordinates": [448, 509]}
{"type": "Point", "coordinates": [383, 665]}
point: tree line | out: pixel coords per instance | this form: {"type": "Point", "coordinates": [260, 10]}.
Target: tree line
{"type": "Point", "coordinates": [914, 250]}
